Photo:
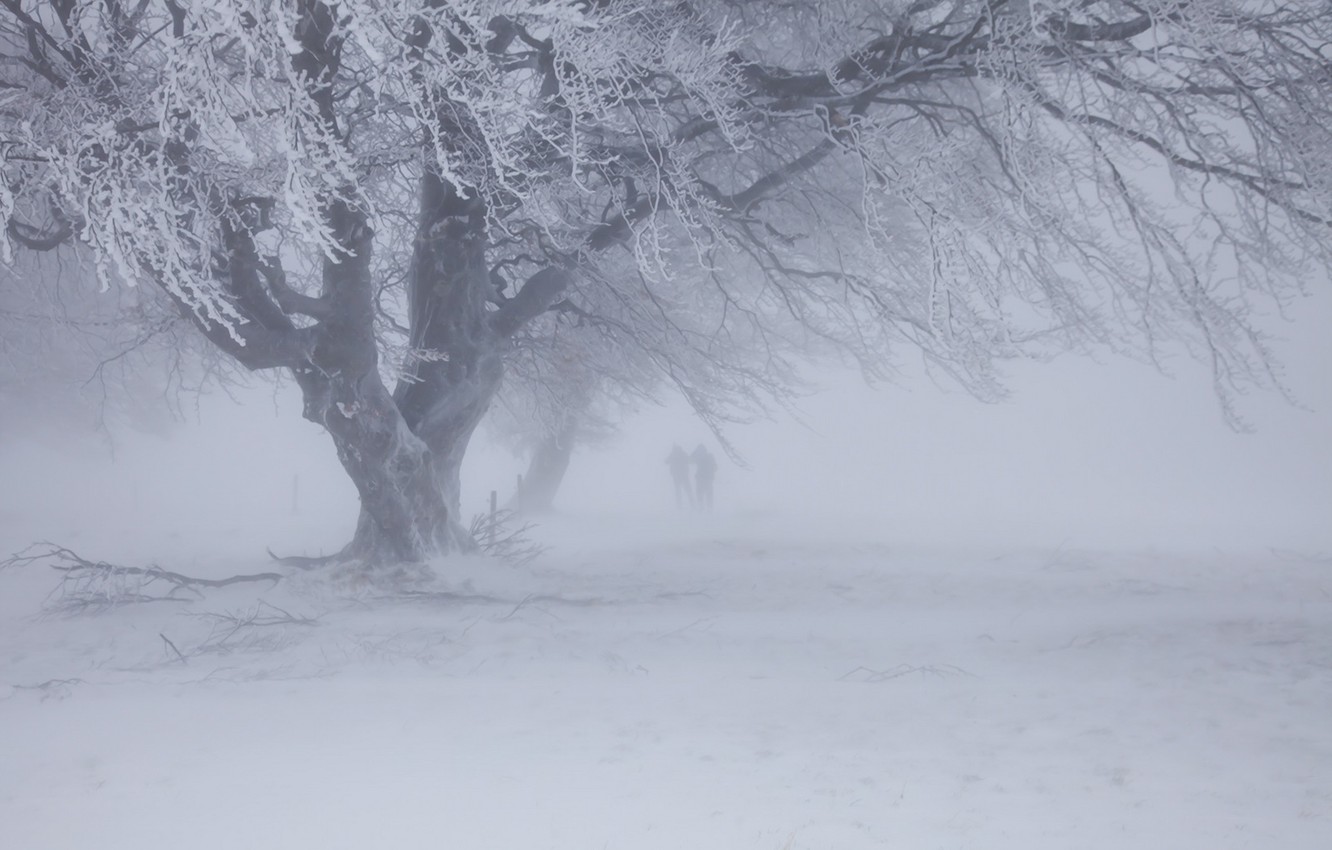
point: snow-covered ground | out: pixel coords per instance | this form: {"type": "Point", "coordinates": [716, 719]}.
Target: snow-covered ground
{"type": "Point", "coordinates": [1093, 618]}
{"type": "Point", "coordinates": [686, 682]}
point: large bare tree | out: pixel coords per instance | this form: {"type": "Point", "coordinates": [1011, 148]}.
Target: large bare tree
{"type": "Point", "coordinates": [382, 196]}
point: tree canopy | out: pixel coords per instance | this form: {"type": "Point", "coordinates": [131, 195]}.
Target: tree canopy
{"type": "Point", "coordinates": [391, 198]}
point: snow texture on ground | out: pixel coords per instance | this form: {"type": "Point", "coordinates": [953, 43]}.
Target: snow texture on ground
{"type": "Point", "coordinates": [691, 684]}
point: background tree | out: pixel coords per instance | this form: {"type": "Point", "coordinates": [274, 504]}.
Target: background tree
{"type": "Point", "coordinates": [572, 377]}
{"type": "Point", "coordinates": [560, 392]}
{"type": "Point", "coordinates": [587, 364]}
{"type": "Point", "coordinates": [976, 180]}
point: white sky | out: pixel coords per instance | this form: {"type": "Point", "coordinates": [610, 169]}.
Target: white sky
{"type": "Point", "coordinates": [1111, 453]}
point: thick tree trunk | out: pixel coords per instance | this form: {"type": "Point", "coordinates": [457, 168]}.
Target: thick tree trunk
{"type": "Point", "coordinates": [545, 472]}
{"type": "Point", "coordinates": [446, 391]}
{"type": "Point", "coordinates": [443, 409]}
{"type": "Point", "coordinates": [404, 451]}
{"type": "Point", "coordinates": [404, 516]}
{"type": "Point", "coordinates": [408, 482]}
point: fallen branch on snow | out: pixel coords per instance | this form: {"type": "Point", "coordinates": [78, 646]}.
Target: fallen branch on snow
{"type": "Point", "coordinates": [52, 688]}
{"type": "Point", "coordinates": [866, 674]}
{"type": "Point", "coordinates": [98, 584]}
{"type": "Point", "coordinates": [304, 562]}
{"type": "Point", "coordinates": [237, 625]}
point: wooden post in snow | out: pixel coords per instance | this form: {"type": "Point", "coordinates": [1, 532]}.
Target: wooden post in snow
{"type": "Point", "coordinates": [494, 507]}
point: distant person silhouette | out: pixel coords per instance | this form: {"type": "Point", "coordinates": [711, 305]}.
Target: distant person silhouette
{"type": "Point", "coordinates": [678, 461]}
{"type": "Point", "coordinates": [705, 469]}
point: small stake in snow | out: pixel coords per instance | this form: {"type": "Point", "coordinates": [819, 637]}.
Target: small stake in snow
{"type": "Point", "coordinates": [494, 507]}
{"type": "Point", "coordinates": [179, 655]}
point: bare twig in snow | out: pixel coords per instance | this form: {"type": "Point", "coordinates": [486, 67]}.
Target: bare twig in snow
{"type": "Point", "coordinates": [498, 535]}
{"type": "Point", "coordinates": [167, 641]}
{"type": "Point", "coordinates": [867, 674]}
{"type": "Point", "coordinates": [228, 625]}
{"type": "Point", "coordinates": [97, 585]}
{"type": "Point", "coordinates": [52, 688]}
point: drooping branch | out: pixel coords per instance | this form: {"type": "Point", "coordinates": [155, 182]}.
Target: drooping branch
{"type": "Point", "coordinates": [1063, 27]}
{"type": "Point", "coordinates": [1265, 185]}
{"type": "Point", "coordinates": [537, 295]}
{"type": "Point", "coordinates": [39, 240]}
{"type": "Point", "coordinates": [263, 336]}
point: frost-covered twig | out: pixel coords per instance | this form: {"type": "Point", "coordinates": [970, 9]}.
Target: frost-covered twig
{"type": "Point", "coordinates": [51, 688]}
{"type": "Point", "coordinates": [499, 536]}
{"type": "Point", "coordinates": [866, 674]}
{"type": "Point", "coordinates": [222, 638]}
{"type": "Point", "coordinates": [88, 584]}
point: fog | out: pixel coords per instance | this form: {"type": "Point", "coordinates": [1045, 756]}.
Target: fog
{"type": "Point", "coordinates": [1093, 615]}
{"type": "Point", "coordinates": [1109, 453]}
{"type": "Point", "coordinates": [1090, 614]}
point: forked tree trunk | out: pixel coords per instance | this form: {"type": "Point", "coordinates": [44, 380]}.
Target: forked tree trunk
{"type": "Point", "coordinates": [407, 455]}
{"type": "Point", "coordinates": [408, 482]}
{"type": "Point", "coordinates": [408, 492]}
{"type": "Point", "coordinates": [404, 450]}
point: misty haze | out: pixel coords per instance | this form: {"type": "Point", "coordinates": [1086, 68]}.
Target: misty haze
{"type": "Point", "coordinates": [626, 424]}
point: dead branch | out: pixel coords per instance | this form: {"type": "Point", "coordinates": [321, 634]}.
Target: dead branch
{"type": "Point", "coordinates": [183, 659]}
{"type": "Point", "coordinates": [499, 535]}
{"type": "Point", "coordinates": [531, 599]}
{"type": "Point", "coordinates": [867, 674]}
{"type": "Point", "coordinates": [262, 614]}
{"type": "Point", "coordinates": [52, 688]}
{"type": "Point", "coordinates": [304, 562]}
{"type": "Point", "coordinates": [88, 584]}
{"type": "Point", "coordinates": [230, 624]}
{"type": "Point", "coordinates": [447, 596]}
{"type": "Point", "coordinates": [231, 631]}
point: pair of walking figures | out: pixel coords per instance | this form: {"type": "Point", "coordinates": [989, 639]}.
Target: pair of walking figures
{"type": "Point", "coordinates": [705, 469]}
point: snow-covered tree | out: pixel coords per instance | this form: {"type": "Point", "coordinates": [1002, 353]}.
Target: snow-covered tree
{"type": "Point", "coordinates": [383, 196]}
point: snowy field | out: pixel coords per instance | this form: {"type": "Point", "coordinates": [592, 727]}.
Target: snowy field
{"type": "Point", "coordinates": [1093, 618]}
{"type": "Point", "coordinates": [716, 683]}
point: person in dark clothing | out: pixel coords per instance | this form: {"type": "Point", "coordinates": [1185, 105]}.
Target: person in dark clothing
{"type": "Point", "coordinates": [678, 462]}
{"type": "Point", "coordinates": [705, 469]}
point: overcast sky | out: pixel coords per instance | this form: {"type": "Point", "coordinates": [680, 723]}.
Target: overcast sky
{"type": "Point", "coordinates": [1110, 453]}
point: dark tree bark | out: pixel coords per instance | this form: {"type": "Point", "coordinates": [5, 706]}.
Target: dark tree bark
{"type": "Point", "coordinates": [404, 516]}
{"type": "Point", "coordinates": [545, 471]}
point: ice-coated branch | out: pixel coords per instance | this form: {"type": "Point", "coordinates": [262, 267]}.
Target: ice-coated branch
{"type": "Point", "coordinates": [98, 584]}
